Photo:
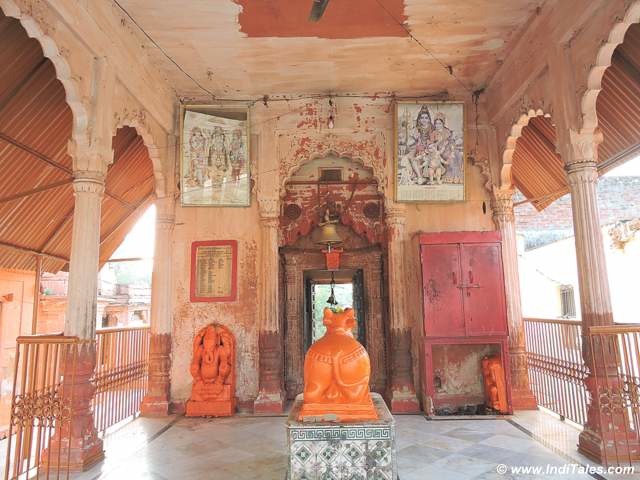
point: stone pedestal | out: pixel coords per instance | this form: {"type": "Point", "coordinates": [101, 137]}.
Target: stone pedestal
{"type": "Point", "coordinates": [211, 408]}
{"type": "Point", "coordinates": [342, 450]}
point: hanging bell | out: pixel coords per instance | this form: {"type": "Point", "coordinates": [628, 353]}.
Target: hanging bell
{"type": "Point", "coordinates": [328, 235]}
{"type": "Point", "coordinates": [332, 297]}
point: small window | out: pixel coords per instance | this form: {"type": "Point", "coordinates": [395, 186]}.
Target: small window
{"type": "Point", "coordinates": [330, 174]}
{"type": "Point", "coordinates": [567, 301]}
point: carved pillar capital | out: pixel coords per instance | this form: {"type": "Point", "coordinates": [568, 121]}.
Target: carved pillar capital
{"type": "Point", "coordinates": [91, 182]}
{"type": "Point", "coordinates": [583, 154]}
{"type": "Point", "coordinates": [269, 208]}
{"type": "Point", "coordinates": [502, 206]}
{"type": "Point", "coordinates": [395, 215]}
{"type": "Point", "coordinates": [90, 157]}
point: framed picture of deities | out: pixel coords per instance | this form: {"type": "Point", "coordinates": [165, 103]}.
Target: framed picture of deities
{"type": "Point", "coordinates": [214, 156]}
{"type": "Point", "coordinates": [429, 151]}
{"type": "Point", "coordinates": [214, 271]}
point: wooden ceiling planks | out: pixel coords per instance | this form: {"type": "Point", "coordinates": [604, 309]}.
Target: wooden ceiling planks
{"type": "Point", "coordinates": [35, 127]}
{"type": "Point", "coordinates": [538, 171]}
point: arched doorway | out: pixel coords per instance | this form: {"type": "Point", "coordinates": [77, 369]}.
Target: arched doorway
{"type": "Point", "coordinates": [349, 193]}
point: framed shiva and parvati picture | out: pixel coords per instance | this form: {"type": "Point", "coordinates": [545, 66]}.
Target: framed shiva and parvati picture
{"type": "Point", "coordinates": [429, 152]}
{"type": "Point", "coordinates": [214, 156]}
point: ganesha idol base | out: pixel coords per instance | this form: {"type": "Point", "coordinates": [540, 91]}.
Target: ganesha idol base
{"type": "Point", "coordinates": [205, 402]}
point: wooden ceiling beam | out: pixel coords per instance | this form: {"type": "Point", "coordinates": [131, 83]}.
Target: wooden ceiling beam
{"type": "Point", "coordinates": [53, 163]}
{"type": "Point", "coordinates": [35, 153]}
{"type": "Point", "coordinates": [30, 251]}
{"type": "Point", "coordinates": [36, 190]}
{"type": "Point", "coordinates": [56, 231]}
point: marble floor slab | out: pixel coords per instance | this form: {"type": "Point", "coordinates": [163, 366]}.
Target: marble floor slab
{"type": "Point", "coordinates": [243, 448]}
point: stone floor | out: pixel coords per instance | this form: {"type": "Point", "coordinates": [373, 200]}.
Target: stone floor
{"type": "Point", "coordinates": [241, 448]}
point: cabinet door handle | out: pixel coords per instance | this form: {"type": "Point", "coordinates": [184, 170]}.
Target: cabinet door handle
{"type": "Point", "coordinates": [453, 277]}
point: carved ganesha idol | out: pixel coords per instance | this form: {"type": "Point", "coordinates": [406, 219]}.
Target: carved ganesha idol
{"type": "Point", "coordinates": [213, 372]}
{"type": "Point", "coordinates": [336, 374]}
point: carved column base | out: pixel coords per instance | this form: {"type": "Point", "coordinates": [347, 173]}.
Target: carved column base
{"type": "Point", "coordinates": [522, 398]}
{"type": "Point", "coordinates": [156, 401]}
{"type": "Point", "coordinates": [609, 448]}
{"type": "Point", "coordinates": [402, 393]}
{"type": "Point", "coordinates": [271, 396]}
{"type": "Point", "coordinates": [79, 441]}
{"type": "Point", "coordinates": [403, 399]}
{"type": "Point", "coordinates": [269, 403]}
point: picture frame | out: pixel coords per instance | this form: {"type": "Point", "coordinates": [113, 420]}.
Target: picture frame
{"type": "Point", "coordinates": [214, 156]}
{"type": "Point", "coordinates": [429, 152]}
{"type": "Point", "coordinates": [214, 271]}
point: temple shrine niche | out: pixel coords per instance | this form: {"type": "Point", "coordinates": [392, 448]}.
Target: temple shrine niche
{"type": "Point", "coordinates": [336, 373]}
{"type": "Point", "coordinates": [213, 372]}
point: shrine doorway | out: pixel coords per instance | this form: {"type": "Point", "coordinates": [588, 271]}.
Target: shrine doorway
{"type": "Point", "coordinates": [346, 192]}
{"type": "Point", "coordinates": [346, 287]}
{"type": "Point", "coordinates": [361, 268]}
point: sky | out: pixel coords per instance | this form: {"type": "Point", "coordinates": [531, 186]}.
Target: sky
{"type": "Point", "coordinates": [141, 239]}
{"type": "Point", "coordinates": [628, 169]}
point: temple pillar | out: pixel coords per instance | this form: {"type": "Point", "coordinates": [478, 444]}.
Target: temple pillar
{"type": "Point", "coordinates": [504, 218]}
{"type": "Point", "coordinates": [270, 382]}
{"type": "Point", "coordinates": [595, 300]}
{"type": "Point", "coordinates": [156, 401]}
{"type": "Point", "coordinates": [84, 444]}
{"type": "Point", "coordinates": [401, 390]}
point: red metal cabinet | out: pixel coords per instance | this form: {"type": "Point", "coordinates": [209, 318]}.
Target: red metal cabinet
{"type": "Point", "coordinates": [464, 302]}
{"type": "Point", "coordinates": [463, 284]}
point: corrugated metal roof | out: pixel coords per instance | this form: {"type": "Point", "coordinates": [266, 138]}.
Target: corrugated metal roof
{"type": "Point", "coordinates": [35, 127]}
{"type": "Point", "coordinates": [618, 104]}
{"type": "Point", "coordinates": [537, 169]}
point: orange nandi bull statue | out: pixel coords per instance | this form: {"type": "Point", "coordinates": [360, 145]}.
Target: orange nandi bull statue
{"type": "Point", "coordinates": [336, 374]}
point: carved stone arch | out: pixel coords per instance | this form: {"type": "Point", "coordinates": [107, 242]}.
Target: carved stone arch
{"type": "Point", "coordinates": [50, 50]}
{"type": "Point", "coordinates": [301, 149]}
{"type": "Point", "coordinates": [506, 180]}
{"type": "Point", "coordinates": [602, 62]}
{"type": "Point", "coordinates": [137, 119]}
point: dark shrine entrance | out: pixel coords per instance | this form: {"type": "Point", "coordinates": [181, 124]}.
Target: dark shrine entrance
{"type": "Point", "coordinates": [348, 290]}
{"type": "Point", "coordinates": [304, 272]}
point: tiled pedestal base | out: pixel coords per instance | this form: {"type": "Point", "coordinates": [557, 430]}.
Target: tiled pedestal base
{"type": "Point", "coordinates": [358, 450]}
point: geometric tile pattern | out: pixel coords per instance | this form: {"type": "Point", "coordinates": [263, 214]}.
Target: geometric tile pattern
{"type": "Point", "coordinates": [328, 451]}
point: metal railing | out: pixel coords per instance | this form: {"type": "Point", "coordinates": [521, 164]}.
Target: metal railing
{"type": "Point", "coordinates": [41, 407]}
{"type": "Point", "coordinates": [556, 367]}
{"type": "Point", "coordinates": [121, 375]}
{"type": "Point", "coordinates": [616, 362]}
